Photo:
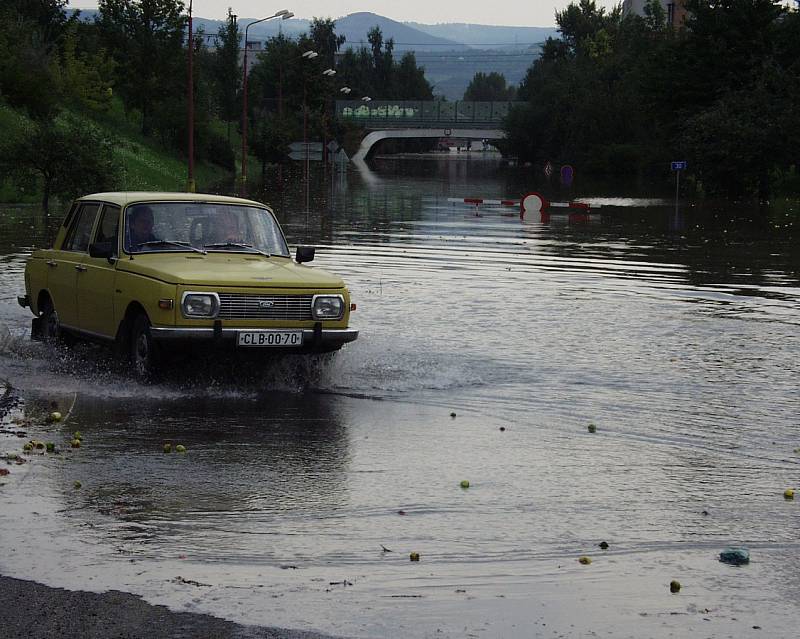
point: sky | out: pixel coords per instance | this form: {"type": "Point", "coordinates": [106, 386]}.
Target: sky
{"type": "Point", "coordinates": [519, 13]}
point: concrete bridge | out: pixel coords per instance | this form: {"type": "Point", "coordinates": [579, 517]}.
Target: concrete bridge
{"type": "Point", "coordinates": [423, 119]}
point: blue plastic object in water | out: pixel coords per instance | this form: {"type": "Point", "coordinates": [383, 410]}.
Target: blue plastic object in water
{"type": "Point", "coordinates": [735, 556]}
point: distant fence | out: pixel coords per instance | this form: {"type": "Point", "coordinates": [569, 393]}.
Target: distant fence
{"type": "Point", "coordinates": [393, 114]}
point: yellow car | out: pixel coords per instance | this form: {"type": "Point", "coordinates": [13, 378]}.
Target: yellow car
{"type": "Point", "coordinates": [151, 271]}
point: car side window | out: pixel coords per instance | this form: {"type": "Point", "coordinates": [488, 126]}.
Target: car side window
{"type": "Point", "coordinates": [81, 230]}
{"type": "Point", "coordinates": [108, 228]}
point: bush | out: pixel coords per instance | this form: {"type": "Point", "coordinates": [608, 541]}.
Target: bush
{"type": "Point", "coordinates": [216, 149]}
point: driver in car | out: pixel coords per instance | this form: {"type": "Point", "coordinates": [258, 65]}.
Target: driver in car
{"type": "Point", "coordinates": [141, 225]}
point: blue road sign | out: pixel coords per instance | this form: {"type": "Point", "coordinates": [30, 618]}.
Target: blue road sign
{"type": "Point", "coordinates": [679, 166]}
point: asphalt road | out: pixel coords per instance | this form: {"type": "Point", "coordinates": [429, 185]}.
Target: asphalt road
{"type": "Point", "coordinates": [35, 611]}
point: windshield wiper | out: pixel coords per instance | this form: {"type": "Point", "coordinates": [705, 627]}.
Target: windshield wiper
{"type": "Point", "coordinates": [184, 245]}
{"type": "Point", "coordinates": [249, 247]}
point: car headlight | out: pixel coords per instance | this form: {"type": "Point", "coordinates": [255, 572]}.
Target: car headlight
{"type": "Point", "coordinates": [327, 307]}
{"type": "Point", "coordinates": [200, 304]}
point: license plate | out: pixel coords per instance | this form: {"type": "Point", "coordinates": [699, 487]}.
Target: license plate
{"type": "Point", "coordinates": [270, 338]}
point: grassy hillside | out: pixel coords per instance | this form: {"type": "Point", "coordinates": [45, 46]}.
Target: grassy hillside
{"type": "Point", "coordinates": [146, 165]}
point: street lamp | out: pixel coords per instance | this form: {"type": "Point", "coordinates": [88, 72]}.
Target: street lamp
{"type": "Point", "coordinates": [283, 14]}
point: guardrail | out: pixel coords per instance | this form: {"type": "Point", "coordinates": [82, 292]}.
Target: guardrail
{"type": "Point", "coordinates": [423, 114]}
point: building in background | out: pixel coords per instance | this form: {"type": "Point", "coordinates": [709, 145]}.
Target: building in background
{"type": "Point", "coordinates": [675, 10]}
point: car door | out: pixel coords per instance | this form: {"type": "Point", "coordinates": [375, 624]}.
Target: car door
{"type": "Point", "coordinates": [66, 263]}
{"type": "Point", "coordinates": [95, 284]}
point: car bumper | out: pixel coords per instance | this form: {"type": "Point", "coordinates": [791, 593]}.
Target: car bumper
{"type": "Point", "coordinates": [312, 337]}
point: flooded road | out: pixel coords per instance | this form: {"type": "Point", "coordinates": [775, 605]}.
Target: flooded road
{"type": "Point", "coordinates": [488, 346]}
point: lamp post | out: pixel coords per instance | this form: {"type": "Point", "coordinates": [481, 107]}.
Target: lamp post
{"type": "Point", "coordinates": [329, 73]}
{"type": "Point", "coordinates": [190, 184]}
{"type": "Point", "coordinates": [283, 14]}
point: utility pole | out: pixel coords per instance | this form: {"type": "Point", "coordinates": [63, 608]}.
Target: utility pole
{"type": "Point", "coordinates": [191, 187]}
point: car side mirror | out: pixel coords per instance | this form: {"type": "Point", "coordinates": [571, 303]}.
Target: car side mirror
{"type": "Point", "coordinates": [304, 254]}
{"type": "Point", "coordinates": [102, 249]}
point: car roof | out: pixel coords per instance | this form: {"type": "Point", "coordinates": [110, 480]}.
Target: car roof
{"type": "Point", "coordinates": [123, 198]}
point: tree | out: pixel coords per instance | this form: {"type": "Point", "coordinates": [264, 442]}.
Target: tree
{"type": "Point", "coordinates": [146, 38]}
{"type": "Point", "coordinates": [490, 87]}
{"type": "Point", "coordinates": [228, 71]}
{"type": "Point", "coordinates": [87, 77]}
{"type": "Point", "coordinates": [617, 93]}
{"type": "Point", "coordinates": [411, 83]}
{"type": "Point", "coordinates": [372, 71]}
{"type": "Point", "coordinates": [65, 157]}
{"type": "Point", "coordinates": [382, 60]}
{"type": "Point", "coordinates": [325, 41]}
{"type": "Point", "coordinates": [30, 31]}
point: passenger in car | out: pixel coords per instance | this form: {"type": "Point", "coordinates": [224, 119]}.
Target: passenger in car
{"type": "Point", "coordinates": [227, 229]}
{"type": "Point", "coordinates": [141, 225]}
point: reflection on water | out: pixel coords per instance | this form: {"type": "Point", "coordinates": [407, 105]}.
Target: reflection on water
{"type": "Point", "coordinates": [677, 335]}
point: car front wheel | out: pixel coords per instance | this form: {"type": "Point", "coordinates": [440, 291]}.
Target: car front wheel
{"type": "Point", "coordinates": [144, 353]}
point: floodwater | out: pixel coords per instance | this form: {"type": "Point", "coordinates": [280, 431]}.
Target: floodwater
{"type": "Point", "coordinates": [488, 346]}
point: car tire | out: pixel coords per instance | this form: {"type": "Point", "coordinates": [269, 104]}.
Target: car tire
{"type": "Point", "coordinates": [50, 326]}
{"type": "Point", "coordinates": [144, 352]}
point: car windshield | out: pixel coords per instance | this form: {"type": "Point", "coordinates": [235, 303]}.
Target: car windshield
{"type": "Point", "coordinates": [202, 227]}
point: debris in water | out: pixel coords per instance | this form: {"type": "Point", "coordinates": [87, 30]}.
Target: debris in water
{"type": "Point", "coordinates": [788, 493]}
{"type": "Point", "coordinates": [75, 443]}
{"type": "Point", "coordinates": [502, 429]}
{"type": "Point", "coordinates": [3, 472]}
{"type": "Point", "coordinates": [603, 545]}
{"type": "Point", "coordinates": [77, 435]}
{"type": "Point", "coordinates": [453, 415]}
{"type": "Point", "coordinates": [735, 556]}
{"type": "Point", "coordinates": [55, 416]}
{"type": "Point", "coordinates": [51, 447]}
{"type": "Point", "coordinates": [674, 586]}
{"type": "Point", "coordinates": [167, 448]}
{"type": "Point", "coordinates": [189, 582]}
{"type": "Point", "coordinates": [401, 512]}
{"type": "Point", "coordinates": [592, 428]}
{"type": "Point", "coordinates": [180, 448]}
{"type": "Point", "coordinates": [77, 484]}
{"type": "Point", "coordinates": [414, 556]}
{"type": "Point", "coordinates": [385, 549]}
{"type": "Point", "coordinates": [584, 560]}
{"type": "Point", "coordinates": [465, 483]}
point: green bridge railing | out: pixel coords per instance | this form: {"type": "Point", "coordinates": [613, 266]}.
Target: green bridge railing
{"type": "Point", "coordinates": [394, 114]}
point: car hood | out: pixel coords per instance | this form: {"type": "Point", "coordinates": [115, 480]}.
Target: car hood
{"type": "Point", "coordinates": [228, 269]}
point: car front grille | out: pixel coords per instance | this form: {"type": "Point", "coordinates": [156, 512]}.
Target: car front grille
{"type": "Point", "coordinates": [236, 306]}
